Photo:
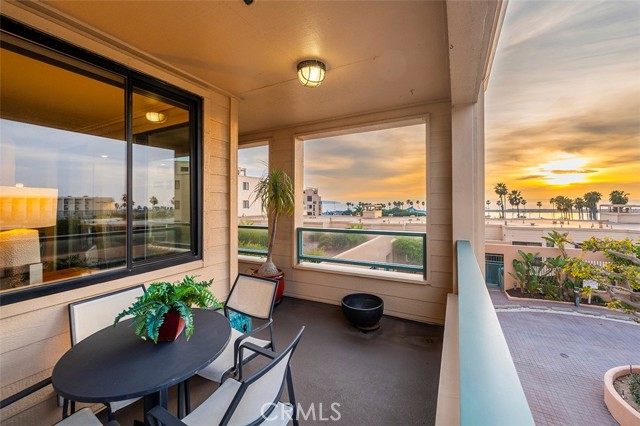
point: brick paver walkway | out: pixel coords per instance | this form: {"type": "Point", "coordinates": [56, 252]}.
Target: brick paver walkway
{"type": "Point", "coordinates": [561, 359]}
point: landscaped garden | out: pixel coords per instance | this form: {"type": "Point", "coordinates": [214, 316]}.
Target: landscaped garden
{"type": "Point", "coordinates": [615, 284]}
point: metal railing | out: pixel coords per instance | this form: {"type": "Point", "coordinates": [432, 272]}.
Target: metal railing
{"type": "Point", "coordinates": [387, 266]}
{"type": "Point", "coordinates": [252, 251]}
{"type": "Point", "coordinates": [490, 391]}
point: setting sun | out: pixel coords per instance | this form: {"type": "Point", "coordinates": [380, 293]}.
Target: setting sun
{"type": "Point", "coordinates": [564, 172]}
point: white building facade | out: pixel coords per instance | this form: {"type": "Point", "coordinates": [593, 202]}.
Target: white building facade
{"type": "Point", "coordinates": [312, 202]}
{"type": "Point", "coordinates": [247, 207]}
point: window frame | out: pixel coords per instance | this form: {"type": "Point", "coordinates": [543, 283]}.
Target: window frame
{"type": "Point", "coordinates": [134, 80]}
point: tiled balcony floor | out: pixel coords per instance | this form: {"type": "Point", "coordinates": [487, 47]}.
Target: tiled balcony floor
{"type": "Point", "coordinates": [387, 377]}
{"type": "Point", "coordinates": [561, 359]}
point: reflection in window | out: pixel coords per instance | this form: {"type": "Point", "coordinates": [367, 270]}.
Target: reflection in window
{"type": "Point", "coordinates": [65, 207]}
{"type": "Point", "coordinates": [161, 179]}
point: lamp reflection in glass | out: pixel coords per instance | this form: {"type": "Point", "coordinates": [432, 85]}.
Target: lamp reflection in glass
{"type": "Point", "coordinates": [156, 117]}
{"type": "Point", "coordinates": [22, 208]}
{"type": "Point", "coordinates": [311, 73]}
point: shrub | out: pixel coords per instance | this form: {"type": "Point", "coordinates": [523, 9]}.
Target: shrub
{"type": "Point", "coordinates": [330, 241]}
{"type": "Point", "coordinates": [634, 386]}
{"type": "Point", "coordinates": [252, 238]}
{"type": "Point", "coordinates": [409, 248]}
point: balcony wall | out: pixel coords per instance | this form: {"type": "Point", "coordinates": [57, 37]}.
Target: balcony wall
{"type": "Point", "coordinates": [34, 334]}
{"type": "Point", "coordinates": [421, 301]}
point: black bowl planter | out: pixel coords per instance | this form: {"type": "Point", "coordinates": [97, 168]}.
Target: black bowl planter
{"type": "Point", "coordinates": [363, 310]}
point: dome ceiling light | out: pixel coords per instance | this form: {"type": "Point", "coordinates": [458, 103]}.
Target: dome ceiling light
{"type": "Point", "coordinates": [311, 72]}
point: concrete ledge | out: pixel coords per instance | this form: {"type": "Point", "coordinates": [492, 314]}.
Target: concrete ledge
{"type": "Point", "coordinates": [618, 407]}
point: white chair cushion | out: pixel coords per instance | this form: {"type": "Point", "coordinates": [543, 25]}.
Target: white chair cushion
{"type": "Point", "coordinates": [84, 417]}
{"type": "Point", "coordinates": [117, 405]}
{"type": "Point", "coordinates": [224, 361]}
{"type": "Point", "coordinates": [211, 411]}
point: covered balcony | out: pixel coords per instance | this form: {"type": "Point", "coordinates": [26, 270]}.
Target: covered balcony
{"type": "Point", "coordinates": [157, 98]}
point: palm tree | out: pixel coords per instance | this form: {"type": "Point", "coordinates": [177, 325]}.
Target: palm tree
{"type": "Point", "coordinates": [554, 206]}
{"type": "Point", "coordinates": [153, 201]}
{"type": "Point", "coordinates": [618, 197]}
{"type": "Point", "coordinates": [423, 203]}
{"type": "Point", "coordinates": [580, 205]}
{"type": "Point", "coordinates": [539, 204]}
{"type": "Point", "coordinates": [514, 199]}
{"type": "Point", "coordinates": [591, 199]}
{"type": "Point", "coordinates": [502, 191]}
{"type": "Point", "coordinates": [389, 204]}
{"type": "Point", "coordinates": [524, 203]}
{"type": "Point", "coordinates": [488, 203]}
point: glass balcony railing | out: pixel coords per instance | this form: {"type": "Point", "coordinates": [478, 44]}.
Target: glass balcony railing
{"type": "Point", "coordinates": [253, 240]}
{"type": "Point", "coordinates": [398, 251]}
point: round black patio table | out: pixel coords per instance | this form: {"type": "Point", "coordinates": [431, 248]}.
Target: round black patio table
{"type": "Point", "coordinates": [114, 364]}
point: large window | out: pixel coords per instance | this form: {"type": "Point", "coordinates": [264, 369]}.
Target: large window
{"type": "Point", "coordinates": [369, 186]}
{"type": "Point", "coordinates": [99, 168]}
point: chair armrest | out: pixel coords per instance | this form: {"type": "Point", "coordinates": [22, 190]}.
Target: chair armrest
{"type": "Point", "coordinates": [258, 350]}
{"type": "Point", "coordinates": [238, 342]}
{"type": "Point", "coordinates": [159, 416]}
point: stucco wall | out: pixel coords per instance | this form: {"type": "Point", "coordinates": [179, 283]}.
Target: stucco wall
{"type": "Point", "coordinates": [421, 301]}
{"type": "Point", "coordinates": [34, 334]}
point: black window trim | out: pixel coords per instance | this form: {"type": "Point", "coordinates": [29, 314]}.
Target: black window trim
{"type": "Point", "coordinates": [137, 80]}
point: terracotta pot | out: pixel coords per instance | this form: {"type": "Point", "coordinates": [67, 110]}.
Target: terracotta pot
{"type": "Point", "coordinates": [171, 327]}
{"type": "Point", "coordinates": [278, 277]}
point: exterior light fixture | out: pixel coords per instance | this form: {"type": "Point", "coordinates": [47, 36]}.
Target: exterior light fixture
{"type": "Point", "coordinates": [311, 73]}
{"type": "Point", "coordinates": [156, 117]}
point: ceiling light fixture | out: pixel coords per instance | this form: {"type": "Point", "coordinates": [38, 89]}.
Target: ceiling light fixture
{"type": "Point", "coordinates": [311, 72]}
{"type": "Point", "coordinates": [156, 117]}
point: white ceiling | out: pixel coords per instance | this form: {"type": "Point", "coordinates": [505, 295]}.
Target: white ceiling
{"type": "Point", "coordinates": [379, 54]}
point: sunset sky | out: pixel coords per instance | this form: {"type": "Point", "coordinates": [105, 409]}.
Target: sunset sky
{"type": "Point", "coordinates": [563, 102]}
{"type": "Point", "coordinates": [562, 115]}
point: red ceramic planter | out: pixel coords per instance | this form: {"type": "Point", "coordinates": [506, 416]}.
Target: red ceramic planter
{"type": "Point", "coordinates": [171, 327]}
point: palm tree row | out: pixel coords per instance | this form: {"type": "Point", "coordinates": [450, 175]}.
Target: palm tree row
{"type": "Point", "coordinates": [586, 206]}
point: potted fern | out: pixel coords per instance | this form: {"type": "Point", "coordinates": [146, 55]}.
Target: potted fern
{"type": "Point", "coordinates": [276, 193]}
{"type": "Point", "coordinates": [165, 309]}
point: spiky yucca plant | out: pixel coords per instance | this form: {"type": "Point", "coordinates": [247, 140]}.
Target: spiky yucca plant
{"type": "Point", "coordinates": [277, 196]}
{"type": "Point", "coordinates": [149, 309]}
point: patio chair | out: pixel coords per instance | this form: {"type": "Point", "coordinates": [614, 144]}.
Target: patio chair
{"type": "Point", "coordinates": [90, 315]}
{"type": "Point", "coordinates": [84, 417]}
{"type": "Point", "coordinates": [253, 401]}
{"type": "Point", "coordinates": [254, 297]}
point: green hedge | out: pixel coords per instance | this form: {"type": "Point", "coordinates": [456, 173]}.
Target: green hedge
{"type": "Point", "coordinates": [253, 239]}
{"type": "Point", "coordinates": [410, 247]}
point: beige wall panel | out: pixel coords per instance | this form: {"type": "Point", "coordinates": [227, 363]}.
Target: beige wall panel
{"type": "Point", "coordinates": [218, 149]}
{"type": "Point", "coordinates": [217, 200]}
{"type": "Point", "coordinates": [440, 216]}
{"type": "Point", "coordinates": [220, 167]}
{"type": "Point", "coordinates": [351, 284]}
{"type": "Point", "coordinates": [220, 114]}
{"type": "Point", "coordinates": [440, 185]}
{"type": "Point", "coordinates": [398, 307]}
{"type": "Point", "coordinates": [217, 218]}
{"type": "Point", "coordinates": [37, 409]}
{"type": "Point", "coordinates": [33, 327]}
{"type": "Point", "coordinates": [440, 154]}
{"type": "Point", "coordinates": [217, 183]}
{"type": "Point", "coordinates": [442, 263]}
{"type": "Point", "coordinates": [219, 131]}
{"type": "Point", "coordinates": [440, 170]}
{"type": "Point", "coordinates": [440, 232]}
{"type": "Point", "coordinates": [28, 360]}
